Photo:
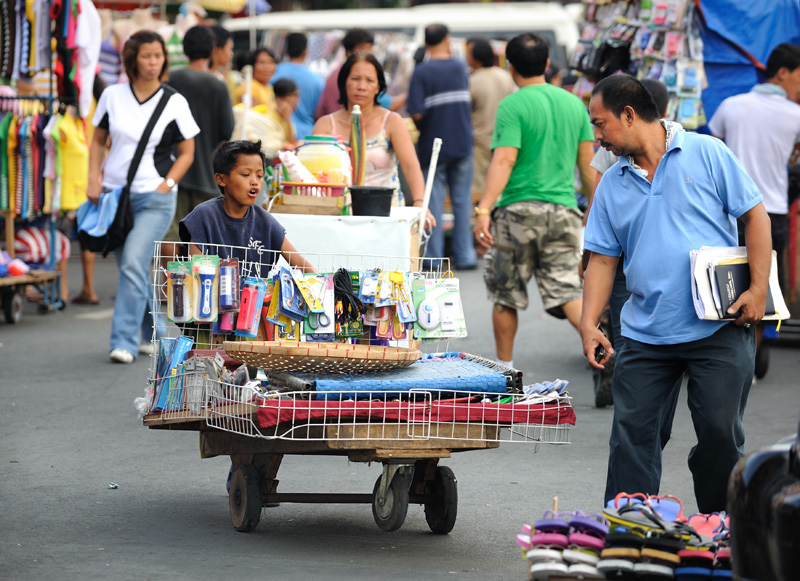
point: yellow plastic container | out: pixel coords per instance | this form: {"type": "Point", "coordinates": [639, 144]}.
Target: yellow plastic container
{"type": "Point", "coordinates": [325, 158]}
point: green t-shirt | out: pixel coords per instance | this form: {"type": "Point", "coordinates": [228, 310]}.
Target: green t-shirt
{"type": "Point", "coordinates": [4, 125]}
{"type": "Point", "coordinates": [545, 123]}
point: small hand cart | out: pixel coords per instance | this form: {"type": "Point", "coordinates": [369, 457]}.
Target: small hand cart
{"type": "Point", "coordinates": [407, 433]}
{"type": "Point", "coordinates": [12, 293]}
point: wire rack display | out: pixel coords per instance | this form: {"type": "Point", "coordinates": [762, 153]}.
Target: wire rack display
{"type": "Point", "coordinates": [353, 390]}
{"type": "Point", "coordinates": [421, 415]}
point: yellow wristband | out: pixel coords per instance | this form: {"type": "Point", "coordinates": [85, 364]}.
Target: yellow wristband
{"type": "Point", "coordinates": [481, 211]}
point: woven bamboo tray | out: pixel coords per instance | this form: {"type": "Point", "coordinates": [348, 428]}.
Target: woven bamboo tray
{"type": "Point", "coordinates": [303, 357]}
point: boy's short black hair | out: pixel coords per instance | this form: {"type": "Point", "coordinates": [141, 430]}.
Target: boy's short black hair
{"type": "Point", "coordinates": [284, 87]}
{"type": "Point", "coordinates": [785, 55]}
{"type": "Point", "coordinates": [296, 44]}
{"type": "Point", "coordinates": [227, 154]}
{"type": "Point", "coordinates": [528, 52]}
{"type": "Point", "coordinates": [198, 42]}
{"type": "Point", "coordinates": [355, 37]}
{"type": "Point", "coordinates": [482, 51]}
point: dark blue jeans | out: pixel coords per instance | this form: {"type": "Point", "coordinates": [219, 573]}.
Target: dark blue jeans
{"type": "Point", "coordinates": [646, 382]}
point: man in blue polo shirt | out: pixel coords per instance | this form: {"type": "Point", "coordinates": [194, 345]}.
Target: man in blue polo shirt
{"type": "Point", "coordinates": [671, 192]}
{"type": "Point", "coordinates": [440, 104]}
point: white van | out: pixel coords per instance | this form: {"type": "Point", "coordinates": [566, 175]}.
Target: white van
{"type": "Point", "coordinates": [495, 21]}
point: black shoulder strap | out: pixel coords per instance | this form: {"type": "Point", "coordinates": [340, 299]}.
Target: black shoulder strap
{"type": "Point", "coordinates": [137, 157]}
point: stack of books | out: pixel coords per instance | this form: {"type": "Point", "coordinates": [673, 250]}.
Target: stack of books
{"type": "Point", "coordinates": [720, 274]}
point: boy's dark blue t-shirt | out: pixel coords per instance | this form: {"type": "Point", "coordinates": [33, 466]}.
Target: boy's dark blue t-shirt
{"type": "Point", "coordinates": [258, 232]}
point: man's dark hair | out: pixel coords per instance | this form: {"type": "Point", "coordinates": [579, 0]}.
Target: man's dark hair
{"type": "Point", "coordinates": [227, 154]}
{"type": "Point", "coordinates": [660, 94]}
{"type": "Point", "coordinates": [784, 55]}
{"type": "Point", "coordinates": [284, 87]}
{"type": "Point", "coordinates": [296, 44]}
{"type": "Point", "coordinates": [344, 72]}
{"type": "Point", "coordinates": [221, 35]}
{"type": "Point", "coordinates": [198, 42]}
{"type": "Point", "coordinates": [620, 91]}
{"type": "Point", "coordinates": [355, 37]}
{"type": "Point", "coordinates": [435, 34]}
{"type": "Point", "coordinates": [131, 51]}
{"type": "Point", "coordinates": [528, 53]}
{"type": "Point", "coordinates": [551, 72]}
{"type": "Point", "coordinates": [482, 51]}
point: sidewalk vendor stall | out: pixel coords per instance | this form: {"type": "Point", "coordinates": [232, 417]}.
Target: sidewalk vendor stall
{"type": "Point", "coordinates": [331, 362]}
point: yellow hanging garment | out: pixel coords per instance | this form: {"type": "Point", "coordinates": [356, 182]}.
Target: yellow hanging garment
{"type": "Point", "coordinates": [74, 162]}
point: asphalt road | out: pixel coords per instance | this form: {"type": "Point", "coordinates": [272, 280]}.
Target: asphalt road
{"type": "Point", "coordinates": [68, 428]}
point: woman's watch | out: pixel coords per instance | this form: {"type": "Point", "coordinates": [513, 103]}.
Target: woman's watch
{"type": "Point", "coordinates": [170, 182]}
{"type": "Point", "coordinates": [481, 211]}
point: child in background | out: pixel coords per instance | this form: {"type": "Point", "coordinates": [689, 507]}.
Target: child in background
{"type": "Point", "coordinates": [234, 219]}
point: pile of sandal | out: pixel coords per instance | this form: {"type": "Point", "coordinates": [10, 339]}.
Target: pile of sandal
{"type": "Point", "coordinates": [637, 537]}
{"type": "Point", "coordinates": [564, 544]}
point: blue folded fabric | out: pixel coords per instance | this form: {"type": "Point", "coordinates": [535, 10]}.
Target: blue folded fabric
{"type": "Point", "coordinates": [441, 374]}
{"type": "Point", "coordinates": [94, 219]}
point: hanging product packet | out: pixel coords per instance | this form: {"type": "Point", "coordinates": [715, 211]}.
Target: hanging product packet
{"type": "Point", "coordinates": [229, 285]}
{"type": "Point", "coordinates": [180, 288]}
{"type": "Point", "coordinates": [440, 313]}
{"type": "Point", "coordinates": [253, 293]}
{"type": "Point", "coordinates": [205, 271]}
{"type": "Point", "coordinates": [319, 325]}
{"type": "Point", "coordinates": [292, 304]}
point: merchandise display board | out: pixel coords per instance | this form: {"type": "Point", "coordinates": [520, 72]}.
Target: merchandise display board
{"type": "Point", "coordinates": [650, 39]}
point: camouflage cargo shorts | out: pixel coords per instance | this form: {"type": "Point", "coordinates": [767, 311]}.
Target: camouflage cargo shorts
{"type": "Point", "coordinates": [534, 239]}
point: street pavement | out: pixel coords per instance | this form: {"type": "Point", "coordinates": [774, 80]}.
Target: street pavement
{"type": "Point", "coordinates": [68, 429]}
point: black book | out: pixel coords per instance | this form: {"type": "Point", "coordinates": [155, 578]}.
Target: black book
{"type": "Point", "coordinates": [733, 280]}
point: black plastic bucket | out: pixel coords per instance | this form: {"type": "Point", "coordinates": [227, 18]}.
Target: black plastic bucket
{"type": "Point", "coordinates": [371, 200]}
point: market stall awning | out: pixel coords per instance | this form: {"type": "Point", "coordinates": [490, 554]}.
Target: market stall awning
{"type": "Point", "coordinates": [738, 36]}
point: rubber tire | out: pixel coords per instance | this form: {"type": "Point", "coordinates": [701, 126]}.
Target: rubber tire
{"type": "Point", "coordinates": [392, 515]}
{"type": "Point", "coordinates": [441, 515]}
{"type": "Point", "coordinates": [12, 306]}
{"type": "Point", "coordinates": [762, 360]}
{"type": "Point", "coordinates": [244, 498]}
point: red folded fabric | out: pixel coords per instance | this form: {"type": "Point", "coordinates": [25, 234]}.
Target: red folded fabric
{"type": "Point", "coordinates": [273, 412]}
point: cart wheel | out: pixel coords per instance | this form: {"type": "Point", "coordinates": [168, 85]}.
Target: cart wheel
{"type": "Point", "coordinates": [245, 498]}
{"type": "Point", "coordinates": [762, 360]}
{"type": "Point", "coordinates": [441, 515]}
{"type": "Point", "coordinates": [42, 309]}
{"type": "Point", "coordinates": [392, 514]}
{"type": "Point", "coordinates": [12, 306]}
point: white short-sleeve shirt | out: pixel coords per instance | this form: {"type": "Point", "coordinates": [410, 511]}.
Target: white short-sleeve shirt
{"type": "Point", "coordinates": [124, 117]}
{"type": "Point", "coordinates": [761, 130]}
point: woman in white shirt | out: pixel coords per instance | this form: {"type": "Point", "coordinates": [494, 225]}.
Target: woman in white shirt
{"type": "Point", "coordinates": [122, 114]}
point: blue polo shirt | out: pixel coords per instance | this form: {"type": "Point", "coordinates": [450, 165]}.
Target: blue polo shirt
{"type": "Point", "coordinates": [698, 191]}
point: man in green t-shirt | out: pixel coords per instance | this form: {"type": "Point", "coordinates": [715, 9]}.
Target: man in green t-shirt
{"type": "Point", "coordinates": [542, 132]}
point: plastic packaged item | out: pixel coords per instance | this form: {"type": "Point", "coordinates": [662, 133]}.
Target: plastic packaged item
{"type": "Point", "coordinates": [326, 159]}
{"type": "Point", "coordinates": [229, 285]}
{"type": "Point", "coordinates": [294, 169]}
{"type": "Point", "coordinates": [253, 292]}
{"type": "Point", "coordinates": [205, 269]}
{"type": "Point", "coordinates": [179, 292]}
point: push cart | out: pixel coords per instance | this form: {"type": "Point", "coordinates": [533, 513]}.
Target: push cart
{"type": "Point", "coordinates": [407, 430]}
{"type": "Point", "coordinates": [12, 293]}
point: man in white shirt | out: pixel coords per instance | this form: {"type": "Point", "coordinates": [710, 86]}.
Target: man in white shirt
{"type": "Point", "coordinates": [762, 128]}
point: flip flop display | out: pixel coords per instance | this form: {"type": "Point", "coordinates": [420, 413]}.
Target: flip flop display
{"type": "Point", "coordinates": [637, 537]}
